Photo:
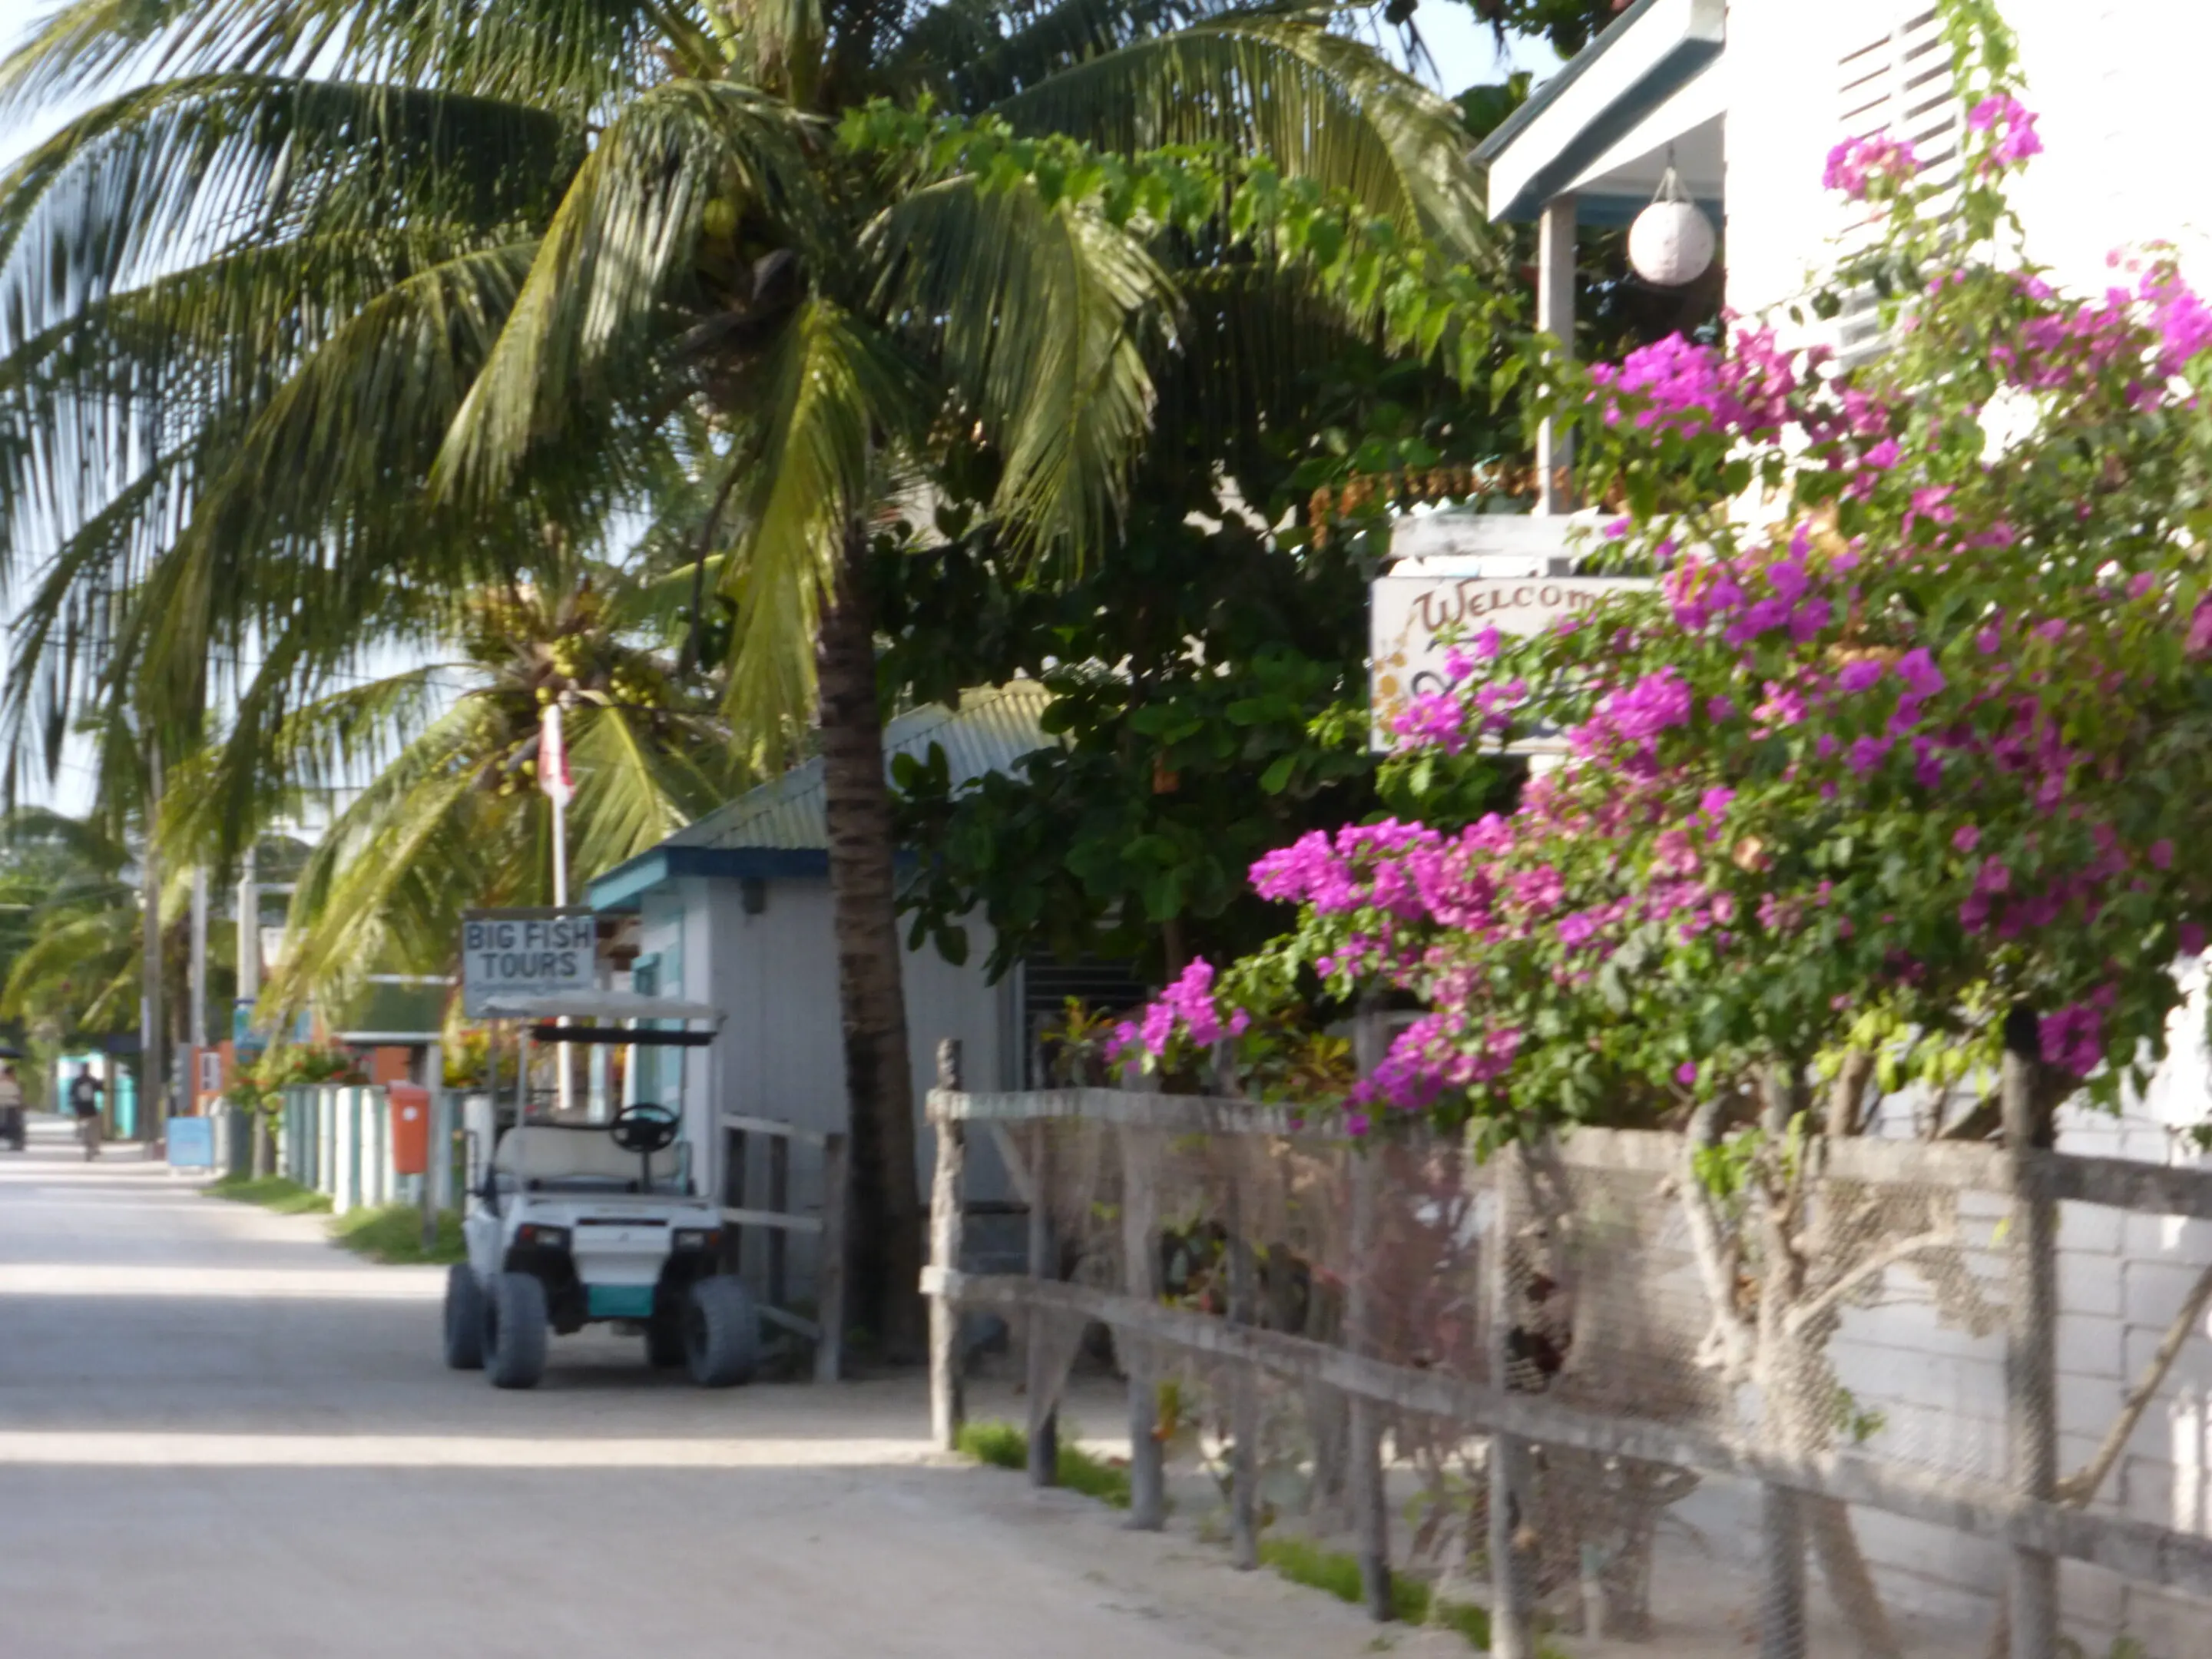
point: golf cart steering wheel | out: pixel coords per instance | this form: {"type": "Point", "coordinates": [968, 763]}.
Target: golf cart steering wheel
{"type": "Point", "coordinates": [645, 1129]}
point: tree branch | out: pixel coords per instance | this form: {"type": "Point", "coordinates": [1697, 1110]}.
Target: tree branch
{"type": "Point", "coordinates": [1847, 1097]}
{"type": "Point", "coordinates": [1880, 1262]}
{"type": "Point", "coordinates": [2078, 1488]}
{"type": "Point", "coordinates": [1731, 1331]}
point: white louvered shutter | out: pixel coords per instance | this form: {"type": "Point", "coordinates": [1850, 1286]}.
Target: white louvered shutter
{"type": "Point", "coordinates": [1900, 82]}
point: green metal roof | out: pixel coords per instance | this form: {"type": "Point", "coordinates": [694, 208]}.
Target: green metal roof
{"type": "Point", "coordinates": [991, 730]}
{"type": "Point", "coordinates": [778, 830]}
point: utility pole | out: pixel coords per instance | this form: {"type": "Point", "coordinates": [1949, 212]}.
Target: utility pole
{"type": "Point", "coordinates": [249, 932]}
{"type": "Point", "coordinates": [196, 1031]}
{"type": "Point", "coordinates": [150, 1075]}
{"type": "Point", "coordinates": [249, 992]}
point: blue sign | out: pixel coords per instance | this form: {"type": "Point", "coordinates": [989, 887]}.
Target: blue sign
{"type": "Point", "coordinates": [243, 1035]}
{"type": "Point", "coordinates": [192, 1143]}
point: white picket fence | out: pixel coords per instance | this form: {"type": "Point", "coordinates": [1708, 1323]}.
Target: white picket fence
{"type": "Point", "coordinates": [337, 1139]}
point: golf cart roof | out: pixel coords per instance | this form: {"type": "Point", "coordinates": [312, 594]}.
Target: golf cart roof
{"type": "Point", "coordinates": [598, 1006]}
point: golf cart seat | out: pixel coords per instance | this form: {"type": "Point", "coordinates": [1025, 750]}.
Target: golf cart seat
{"type": "Point", "coordinates": [552, 1158]}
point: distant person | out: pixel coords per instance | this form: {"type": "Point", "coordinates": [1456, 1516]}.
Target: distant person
{"type": "Point", "coordinates": [84, 1092]}
{"type": "Point", "coordinates": [11, 1107]}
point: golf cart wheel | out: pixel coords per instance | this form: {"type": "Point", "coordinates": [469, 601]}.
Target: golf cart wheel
{"type": "Point", "coordinates": [663, 1339]}
{"type": "Point", "coordinates": [516, 1331]}
{"type": "Point", "coordinates": [721, 1333]}
{"type": "Point", "coordinates": [464, 1319]}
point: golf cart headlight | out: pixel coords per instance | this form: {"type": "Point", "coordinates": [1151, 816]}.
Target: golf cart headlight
{"type": "Point", "coordinates": [696, 1238]}
{"type": "Point", "coordinates": [543, 1238]}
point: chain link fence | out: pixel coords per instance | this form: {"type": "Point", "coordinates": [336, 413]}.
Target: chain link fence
{"type": "Point", "coordinates": [1706, 1393]}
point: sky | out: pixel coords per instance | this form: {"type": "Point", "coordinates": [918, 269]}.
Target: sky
{"type": "Point", "coordinates": [1464, 52]}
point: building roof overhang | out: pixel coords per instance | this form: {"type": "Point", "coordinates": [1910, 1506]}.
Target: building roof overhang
{"type": "Point", "coordinates": [1628, 96]}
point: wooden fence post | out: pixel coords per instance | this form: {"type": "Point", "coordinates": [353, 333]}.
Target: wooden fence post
{"type": "Point", "coordinates": [1141, 1278]}
{"type": "Point", "coordinates": [947, 1406]}
{"type": "Point", "coordinates": [1783, 1631]}
{"type": "Point", "coordinates": [779, 1200]}
{"type": "Point", "coordinates": [829, 1297]}
{"type": "Point", "coordinates": [1243, 1380]}
{"type": "Point", "coordinates": [2031, 1343]}
{"type": "Point", "coordinates": [1371, 1512]}
{"type": "Point", "coordinates": [737, 1192]}
{"type": "Point", "coordinates": [1043, 1386]}
{"type": "Point", "coordinates": [1512, 1632]}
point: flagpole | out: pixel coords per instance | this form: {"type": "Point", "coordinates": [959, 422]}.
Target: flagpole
{"type": "Point", "coordinates": [553, 775]}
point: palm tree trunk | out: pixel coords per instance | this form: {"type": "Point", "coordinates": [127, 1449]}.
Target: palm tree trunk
{"type": "Point", "coordinates": [885, 1212]}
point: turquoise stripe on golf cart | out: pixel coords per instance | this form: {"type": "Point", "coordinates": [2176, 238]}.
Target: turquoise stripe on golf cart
{"type": "Point", "coordinates": [619, 1301]}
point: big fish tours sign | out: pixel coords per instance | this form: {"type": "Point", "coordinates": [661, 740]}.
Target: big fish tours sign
{"type": "Point", "coordinates": [526, 953]}
{"type": "Point", "coordinates": [1416, 615]}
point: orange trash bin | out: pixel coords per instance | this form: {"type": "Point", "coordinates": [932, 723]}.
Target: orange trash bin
{"type": "Point", "coordinates": [410, 1128]}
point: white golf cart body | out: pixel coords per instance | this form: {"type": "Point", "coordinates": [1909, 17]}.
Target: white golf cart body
{"type": "Point", "coordinates": [573, 1223]}
{"type": "Point", "coordinates": [621, 1215]}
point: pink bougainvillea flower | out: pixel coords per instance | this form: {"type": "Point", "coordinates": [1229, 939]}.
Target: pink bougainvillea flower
{"type": "Point", "coordinates": [1858, 166]}
{"type": "Point", "coordinates": [2013, 124]}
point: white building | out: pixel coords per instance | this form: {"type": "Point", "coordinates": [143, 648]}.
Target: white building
{"type": "Point", "coordinates": [734, 911]}
{"type": "Point", "coordinates": [1748, 97]}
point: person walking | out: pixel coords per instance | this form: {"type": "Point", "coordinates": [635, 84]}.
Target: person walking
{"type": "Point", "coordinates": [84, 1092]}
{"type": "Point", "coordinates": [11, 1107]}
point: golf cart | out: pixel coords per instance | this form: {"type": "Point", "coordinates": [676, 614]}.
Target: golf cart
{"type": "Point", "coordinates": [571, 1223]}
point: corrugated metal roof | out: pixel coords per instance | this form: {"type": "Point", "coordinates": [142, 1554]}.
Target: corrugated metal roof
{"type": "Point", "coordinates": [993, 728]}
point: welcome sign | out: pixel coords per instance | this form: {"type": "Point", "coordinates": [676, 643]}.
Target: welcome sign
{"type": "Point", "coordinates": [1416, 616]}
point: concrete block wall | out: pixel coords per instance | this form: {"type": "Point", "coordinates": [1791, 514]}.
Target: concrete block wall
{"type": "Point", "coordinates": [2121, 1278]}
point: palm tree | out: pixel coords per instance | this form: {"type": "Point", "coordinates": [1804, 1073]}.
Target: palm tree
{"type": "Point", "coordinates": [503, 248]}
{"type": "Point", "coordinates": [75, 963]}
{"type": "Point", "coordinates": [451, 814]}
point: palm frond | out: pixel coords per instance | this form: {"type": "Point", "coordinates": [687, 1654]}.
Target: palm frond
{"type": "Point", "coordinates": [974, 53]}
{"type": "Point", "coordinates": [635, 789]}
{"type": "Point", "coordinates": [387, 885]}
{"type": "Point", "coordinates": [297, 526]}
{"type": "Point", "coordinates": [1041, 313]}
{"type": "Point", "coordinates": [570, 55]}
{"type": "Point", "coordinates": [592, 318]}
{"type": "Point", "coordinates": [272, 753]}
{"type": "Point", "coordinates": [223, 161]}
{"type": "Point", "coordinates": [828, 387]}
{"type": "Point", "coordinates": [1284, 88]}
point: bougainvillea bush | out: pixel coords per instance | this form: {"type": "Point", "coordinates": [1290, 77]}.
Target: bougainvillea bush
{"type": "Point", "coordinates": [1913, 729]}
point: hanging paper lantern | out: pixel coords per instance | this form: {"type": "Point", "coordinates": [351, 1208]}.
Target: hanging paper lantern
{"type": "Point", "coordinates": [1671, 243]}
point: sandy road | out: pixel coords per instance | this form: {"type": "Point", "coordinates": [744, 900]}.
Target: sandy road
{"type": "Point", "coordinates": [220, 1436]}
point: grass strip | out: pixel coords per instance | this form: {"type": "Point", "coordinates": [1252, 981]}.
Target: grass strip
{"type": "Point", "coordinates": [1302, 1561]}
{"type": "Point", "coordinates": [1004, 1446]}
{"type": "Point", "coordinates": [393, 1233]}
{"type": "Point", "coordinates": [390, 1233]}
{"type": "Point", "coordinates": [270, 1193]}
